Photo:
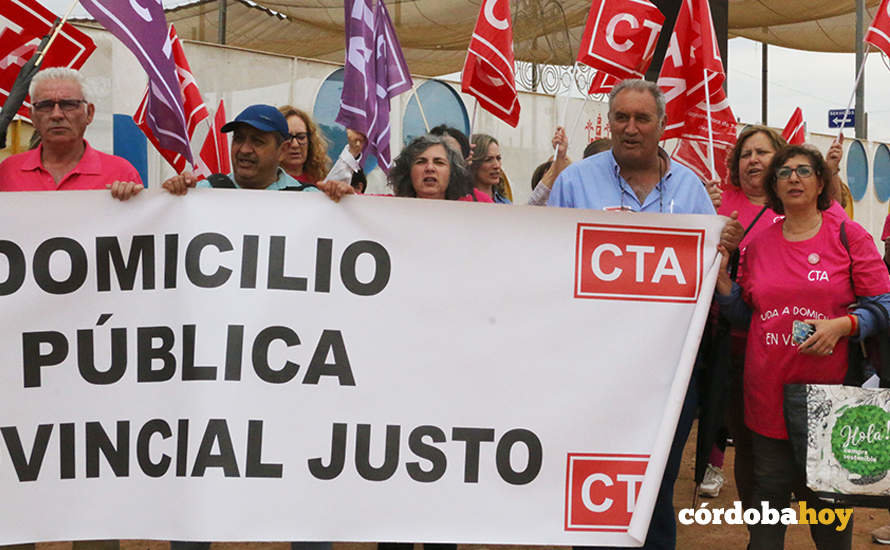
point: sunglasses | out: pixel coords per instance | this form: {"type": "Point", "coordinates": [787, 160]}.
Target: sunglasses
{"type": "Point", "coordinates": [803, 171]}
{"type": "Point", "coordinates": [48, 105]}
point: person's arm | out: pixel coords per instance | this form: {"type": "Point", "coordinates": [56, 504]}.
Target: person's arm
{"type": "Point", "coordinates": [868, 323]}
{"type": "Point", "coordinates": [541, 192]}
{"type": "Point", "coordinates": [729, 294]}
{"type": "Point", "coordinates": [833, 162]}
{"type": "Point", "coordinates": [869, 278]}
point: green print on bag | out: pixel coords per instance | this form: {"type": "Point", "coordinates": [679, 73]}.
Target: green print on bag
{"type": "Point", "coordinates": [860, 440]}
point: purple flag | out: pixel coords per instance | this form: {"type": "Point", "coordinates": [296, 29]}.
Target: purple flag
{"type": "Point", "coordinates": [375, 72]}
{"type": "Point", "coordinates": [143, 29]}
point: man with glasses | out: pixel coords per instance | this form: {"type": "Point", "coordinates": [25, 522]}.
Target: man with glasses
{"type": "Point", "coordinates": [65, 160]}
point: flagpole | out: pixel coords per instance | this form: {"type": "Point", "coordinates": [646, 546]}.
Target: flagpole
{"type": "Point", "coordinates": [473, 120]}
{"type": "Point", "coordinates": [710, 127]}
{"type": "Point", "coordinates": [556, 106]}
{"type": "Point", "coordinates": [580, 116]}
{"type": "Point", "coordinates": [853, 93]}
{"type": "Point", "coordinates": [426, 123]}
{"type": "Point", "coordinates": [565, 110]}
{"type": "Point", "coordinates": [56, 32]}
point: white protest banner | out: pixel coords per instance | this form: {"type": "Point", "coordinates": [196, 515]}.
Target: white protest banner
{"type": "Point", "coordinates": [245, 365]}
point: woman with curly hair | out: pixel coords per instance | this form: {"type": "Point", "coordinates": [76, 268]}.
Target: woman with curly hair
{"type": "Point", "coordinates": [428, 169]}
{"type": "Point", "coordinates": [305, 156]}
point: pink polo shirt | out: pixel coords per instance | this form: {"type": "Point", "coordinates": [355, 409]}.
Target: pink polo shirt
{"type": "Point", "coordinates": [25, 172]}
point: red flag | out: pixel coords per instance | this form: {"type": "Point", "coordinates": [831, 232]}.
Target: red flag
{"type": "Point", "coordinates": [879, 32]}
{"type": "Point", "coordinates": [692, 54]}
{"type": "Point", "coordinates": [620, 37]}
{"type": "Point", "coordinates": [796, 129]}
{"type": "Point", "coordinates": [22, 24]}
{"type": "Point", "coordinates": [693, 149]}
{"type": "Point", "coordinates": [602, 83]}
{"type": "Point", "coordinates": [694, 155]}
{"type": "Point", "coordinates": [214, 156]}
{"type": "Point", "coordinates": [488, 71]}
{"type": "Point", "coordinates": [723, 122]}
{"type": "Point", "coordinates": [193, 104]}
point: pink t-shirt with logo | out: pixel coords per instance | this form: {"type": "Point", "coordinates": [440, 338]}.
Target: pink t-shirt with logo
{"type": "Point", "coordinates": [734, 200]}
{"type": "Point", "coordinates": [785, 281]}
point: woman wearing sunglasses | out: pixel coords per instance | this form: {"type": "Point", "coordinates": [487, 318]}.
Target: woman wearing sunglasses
{"type": "Point", "coordinates": [798, 269]}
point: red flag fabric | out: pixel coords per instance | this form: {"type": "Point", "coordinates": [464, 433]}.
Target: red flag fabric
{"type": "Point", "coordinates": [193, 104]}
{"type": "Point", "coordinates": [723, 123]}
{"type": "Point", "coordinates": [22, 24]}
{"type": "Point", "coordinates": [602, 83]}
{"type": "Point", "coordinates": [694, 155]}
{"type": "Point", "coordinates": [620, 37]}
{"type": "Point", "coordinates": [878, 33]}
{"type": "Point", "coordinates": [693, 150]}
{"type": "Point", "coordinates": [488, 71]}
{"type": "Point", "coordinates": [691, 56]}
{"type": "Point", "coordinates": [214, 155]}
{"type": "Point", "coordinates": [796, 129]}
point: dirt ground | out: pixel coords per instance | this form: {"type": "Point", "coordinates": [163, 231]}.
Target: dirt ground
{"type": "Point", "coordinates": [693, 537]}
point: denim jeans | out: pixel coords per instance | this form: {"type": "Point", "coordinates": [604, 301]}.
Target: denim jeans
{"type": "Point", "coordinates": [775, 477]}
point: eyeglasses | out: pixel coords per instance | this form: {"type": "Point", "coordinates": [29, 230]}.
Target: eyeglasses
{"type": "Point", "coordinates": [803, 171]}
{"type": "Point", "coordinates": [48, 105]}
{"type": "Point", "coordinates": [301, 137]}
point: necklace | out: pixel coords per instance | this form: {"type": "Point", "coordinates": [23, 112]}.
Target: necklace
{"type": "Point", "coordinates": [657, 186]}
{"type": "Point", "coordinates": [789, 232]}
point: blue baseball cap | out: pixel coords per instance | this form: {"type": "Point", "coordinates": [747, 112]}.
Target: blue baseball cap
{"type": "Point", "coordinates": [265, 118]}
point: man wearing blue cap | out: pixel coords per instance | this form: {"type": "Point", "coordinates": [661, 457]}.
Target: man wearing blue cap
{"type": "Point", "coordinates": [258, 137]}
{"type": "Point", "coordinates": [259, 134]}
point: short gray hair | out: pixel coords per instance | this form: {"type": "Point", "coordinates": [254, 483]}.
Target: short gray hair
{"type": "Point", "coordinates": [640, 86]}
{"type": "Point", "coordinates": [59, 73]}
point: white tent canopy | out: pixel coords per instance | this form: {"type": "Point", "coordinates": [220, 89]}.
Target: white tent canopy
{"type": "Point", "coordinates": [435, 33]}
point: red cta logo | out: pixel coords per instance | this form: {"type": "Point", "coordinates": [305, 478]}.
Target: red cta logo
{"type": "Point", "coordinates": [602, 490]}
{"type": "Point", "coordinates": [620, 262]}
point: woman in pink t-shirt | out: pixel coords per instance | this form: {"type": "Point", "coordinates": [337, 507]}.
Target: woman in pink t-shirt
{"type": "Point", "coordinates": [748, 162]}
{"type": "Point", "coordinates": [797, 269]}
